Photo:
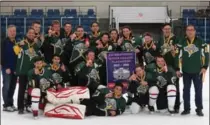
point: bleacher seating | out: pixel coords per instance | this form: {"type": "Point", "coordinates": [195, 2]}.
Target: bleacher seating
{"type": "Point", "coordinates": [23, 19]}
{"type": "Point", "coordinates": [202, 25]}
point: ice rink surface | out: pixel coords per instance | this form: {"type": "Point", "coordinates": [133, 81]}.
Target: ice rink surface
{"type": "Point", "coordinates": [143, 118]}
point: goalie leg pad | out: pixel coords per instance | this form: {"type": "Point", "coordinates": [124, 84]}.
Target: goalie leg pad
{"type": "Point", "coordinates": [72, 111]}
{"type": "Point", "coordinates": [171, 96]}
{"type": "Point", "coordinates": [68, 95]}
{"type": "Point", "coordinates": [35, 98]}
{"type": "Point", "coordinates": [153, 94]}
{"type": "Point", "coordinates": [135, 108]}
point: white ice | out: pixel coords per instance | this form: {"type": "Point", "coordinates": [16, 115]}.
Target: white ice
{"type": "Point", "coordinates": [143, 118]}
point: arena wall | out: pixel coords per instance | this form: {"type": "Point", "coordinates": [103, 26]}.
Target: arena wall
{"type": "Point", "coordinates": [102, 6]}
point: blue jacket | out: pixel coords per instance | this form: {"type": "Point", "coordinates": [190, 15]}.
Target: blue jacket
{"type": "Point", "coordinates": [8, 56]}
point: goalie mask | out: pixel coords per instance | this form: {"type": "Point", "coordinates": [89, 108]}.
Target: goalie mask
{"type": "Point", "coordinates": [57, 78]}
{"type": "Point", "coordinates": [44, 84]}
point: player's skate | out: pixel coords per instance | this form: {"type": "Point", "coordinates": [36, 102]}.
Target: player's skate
{"type": "Point", "coordinates": [171, 113]}
{"type": "Point", "coordinates": [151, 109]}
{"type": "Point", "coordinates": [35, 114]}
{"type": "Point", "coordinates": [28, 109]}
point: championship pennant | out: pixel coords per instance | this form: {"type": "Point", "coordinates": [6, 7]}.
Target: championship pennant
{"type": "Point", "coordinates": [120, 66]}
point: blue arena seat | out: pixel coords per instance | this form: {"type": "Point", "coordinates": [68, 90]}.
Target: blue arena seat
{"type": "Point", "coordinates": [73, 12]}
{"type": "Point", "coordinates": [56, 12]}
{"type": "Point", "coordinates": [90, 12]}
{"type": "Point", "coordinates": [192, 21]}
{"type": "Point", "coordinates": [50, 12]}
{"type": "Point", "coordinates": [67, 12]}
{"type": "Point", "coordinates": [37, 13]}
{"type": "Point", "coordinates": [17, 12]}
{"type": "Point", "coordinates": [200, 22]}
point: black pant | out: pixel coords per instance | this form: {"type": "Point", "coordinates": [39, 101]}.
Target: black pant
{"type": "Point", "coordinates": [8, 89]}
{"type": "Point", "coordinates": [91, 108]}
{"type": "Point", "coordinates": [23, 81]}
{"type": "Point", "coordinates": [198, 85]}
{"type": "Point", "coordinates": [177, 102]}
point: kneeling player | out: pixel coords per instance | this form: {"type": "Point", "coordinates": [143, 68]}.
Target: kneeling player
{"type": "Point", "coordinates": [60, 74]}
{"type": "Point", "coordinates": [162, 86]}
{"type": "Point", "coordinates": [39, 81]}
{"type": "Point", "coordinates": [138, 87]}
{"type": "Point", "coordinates": [106, 103]}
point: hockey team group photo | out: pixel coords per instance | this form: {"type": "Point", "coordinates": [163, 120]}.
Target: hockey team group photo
{"type": "Point", "coordinates": [60, 62]}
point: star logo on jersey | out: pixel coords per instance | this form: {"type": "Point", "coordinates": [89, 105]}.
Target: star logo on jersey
{"type": "Point", "coordinates": [191, 49]}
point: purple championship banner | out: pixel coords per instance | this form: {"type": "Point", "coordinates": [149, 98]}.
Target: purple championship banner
{"type": "Point", "coordinates": [120, 66]}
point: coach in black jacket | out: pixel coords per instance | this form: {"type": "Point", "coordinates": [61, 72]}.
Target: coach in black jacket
{"type": "Point", "coordinates": [8, 63]}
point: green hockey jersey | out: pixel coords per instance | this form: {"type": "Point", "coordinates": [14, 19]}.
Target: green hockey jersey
{"type": "Point", "coordinates": [192, 55]}
{"type": "Point", "coordinates": [42, 80]}
{"type": "Point", "coordinates": [165, 49]}
{"type": "Point", "coordinates": [160, 78]}
{"type": "Point", "coordinates": [131, 44]}
{"type": "Point", "coordinates": [25, 55]}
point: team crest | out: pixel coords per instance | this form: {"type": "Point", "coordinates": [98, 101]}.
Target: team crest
{"type": "Point", "coordinates": [149, 57]}
{"type": "Point", "coordinates": [191, 49]}
{"type": "Point", "coordinates": [142, 89]}
{"type": "Point", "coordinates": [57, 78]}
{"type": "Point", "coordinates": [111, 104]}
{"type": "Point", "coordinates": [31, 53]}
{"type": "Point", "coordinates": [44, 84]}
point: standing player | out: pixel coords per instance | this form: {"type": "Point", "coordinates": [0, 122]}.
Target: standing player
{"type": "Point", "coordinates": [114, 36]}
{"type": "Point", "coordinates": [52, 43]}
{"type": "Point", "coordinates": [150, 50]}
{"type": "Point", "coordinates": [194, 57]}
{"type": "Point", "coordinates": [130, 43]}
{"type": "Point", "coordinates": [162, 85]}
{"type": "Point", "coordinates": [95, 35]}
{"type": "Point", "coordinates": [26, 50]}
{"type": "Point", "coordinates": [167, 47]}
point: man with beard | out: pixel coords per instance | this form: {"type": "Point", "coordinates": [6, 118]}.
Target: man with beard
{"type": "Point", "coordinates": [167, 47]}
{"type": "Point", "coordinates": [59, 72]}
{"type": "Point", "coordinates": [26, 50]}
{"type": "Point", "coordinates": [39, 81]}
{"type": "Point", "coordinates": [150, 51]}
{"type": "Point", "coordinates": [161, 86]}
{"type": "Point", "coordinates": [52, 43]}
